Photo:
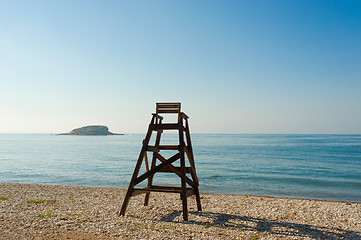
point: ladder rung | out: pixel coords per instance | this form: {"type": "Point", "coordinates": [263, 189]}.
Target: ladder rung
{"type": "Point", "coordinates": [169, 126]}
{"type": "Point", "coordinates": [162, 147]}
{"type": "Point", "coordinates": [169, 147]}
{"type": "Point", "coordinates": [137, 191]}
{"type": "Point", "coordinates": [167, 188]}
{"type": "Point", "coordinates": [152, 149]}
{"type": "Point", "coordinates": [169, 170]}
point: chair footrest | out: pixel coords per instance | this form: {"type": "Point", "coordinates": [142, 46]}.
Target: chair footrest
{"type": "Point", "coordinates": [137, 191]}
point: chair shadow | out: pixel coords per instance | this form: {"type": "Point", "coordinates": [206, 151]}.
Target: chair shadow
{"type": "Point", "coordinates": [282, 229]}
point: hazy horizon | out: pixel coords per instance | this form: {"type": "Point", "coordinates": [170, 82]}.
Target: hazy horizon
{"type": "Point", "coordinates": [200, 133]}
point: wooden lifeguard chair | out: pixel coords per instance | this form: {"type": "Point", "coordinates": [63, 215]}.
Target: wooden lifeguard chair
{"type": "Point", "coordinates": [183, 151]}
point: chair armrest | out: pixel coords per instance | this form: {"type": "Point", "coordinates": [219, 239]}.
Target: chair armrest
{"type": "Point", "coordinates": [184, 115]}
{"type": "Point", "coordinates": [157, 116]}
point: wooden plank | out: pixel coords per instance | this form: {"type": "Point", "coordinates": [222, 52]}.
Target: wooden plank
{"type": "Point", "coordinates": [154, 159]}
{"type": "Point", "coordinates": [168, 126]}
{"type": "Point", "coordinates": [138, 191]}
{"type": "Point", "coordinates": [152, 149]}
{"type": "Point", "coordinates": [136, 169]}
{"type": "Point", "coordinates": [157, 116]}
{"type": "Point", "coordinates": [191, 162]}
{"type": "Point", "coordinates": [184, 115]}
{"type": "Point", "coordinates": [168, 169]}
{"type": "Point", "coordinates": [162, 147]}
{"type": "Point", "coordinates": [157, 188]}
{"type": "Point", "coordinates": [174, 170]}
{"type": "Point", "coordinates": [183, 176]}
{"type": "Point", "coordinates": [167, 187]}
{"type": "Point", "coordinates": [189, 152]}
{"type": "Point", "coordinates": [146, 161]}
{"type": "Point", "coordinates": [157, 168]}
{"type": "Point", "coordinates": [168, 105]}
{"type": "Point", "coordinates": [168, 147]}
{"type": "Point", "coordinates": [168, 110]}
{"type": "Point", "coordinates": [198, 198]}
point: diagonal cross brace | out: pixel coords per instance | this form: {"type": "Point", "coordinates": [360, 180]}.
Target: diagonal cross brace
{"type": "Point", "coordinates": [157, 168]}
{"type": "Point", "coordinates": [176, 171]}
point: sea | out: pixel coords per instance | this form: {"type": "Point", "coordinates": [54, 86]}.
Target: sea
{"type": "Point", "coordinates": [326, 167]}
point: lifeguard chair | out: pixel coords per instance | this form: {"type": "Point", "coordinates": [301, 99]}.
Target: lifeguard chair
{"type": "Point", "coordinates": [189, 186]}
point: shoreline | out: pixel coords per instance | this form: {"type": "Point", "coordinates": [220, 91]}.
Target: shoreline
{"type": "Point", "coordinates": [32, 211]}
{"type": "Point", "coordinates": [222, 194]}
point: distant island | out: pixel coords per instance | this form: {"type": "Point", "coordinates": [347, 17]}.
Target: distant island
{"type": "Point", "coordinates": [94, 130]}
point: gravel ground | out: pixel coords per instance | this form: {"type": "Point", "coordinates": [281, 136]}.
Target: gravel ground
{"type": "Point", "coordinates": [63, 212]}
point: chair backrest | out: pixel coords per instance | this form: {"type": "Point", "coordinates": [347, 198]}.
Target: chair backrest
{"type": "Point", "coordinates": [168, 108]}
{"type": "Point", "coordinates": [171, 109]}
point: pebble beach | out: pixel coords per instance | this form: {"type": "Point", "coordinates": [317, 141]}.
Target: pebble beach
{"type": "Point", "coordinates": [30, 211]}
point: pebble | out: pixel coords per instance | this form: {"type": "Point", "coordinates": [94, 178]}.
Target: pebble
{"type": "Point", "coordinates": [29, 211]}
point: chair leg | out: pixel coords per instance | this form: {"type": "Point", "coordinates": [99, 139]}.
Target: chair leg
{"type": "Point", "coordinates": [126, 201]}
{"type": "Point", "coordinates": [198, 199]}
{"type": "Point", "coordinates": [136, 170]}
{"type": "Point", "coordinates": [184, 191]}
{"type": "Point", "coordinates": [154, 159]}
{"type": "Point", "coordinates": [183, 176]}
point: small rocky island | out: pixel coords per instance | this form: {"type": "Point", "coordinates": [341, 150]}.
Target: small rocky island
{"type": "Point", "coordinates": [95, 130]}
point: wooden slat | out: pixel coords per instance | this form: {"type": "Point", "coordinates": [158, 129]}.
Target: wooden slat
{"type": "Point", "coordinates": [168, 126]}
{"type": "Point", "coordinates": [157, 116]}
{"type": "Point", "coordinates": [168, 110]}
{"type": "Point", "coordinates": [167, 188]}
{"type": "Point", "coordinates": [187, 179]}
{"type": "Point", "coordinates": [138, 191]}
{"type": "Point", "coordinates": [183, 176]}
{"type": "Point", "coordinates": [168, 105]}
{"type": "Point", "coordinates": [136, 169]}
{"type": "Point", "coordinates": [184, 115]}
{"type": "Point", "coordinates": [152, 149]}
{"type": "Point", "coordinates": [168, 169]}
{"type": "Point", "coordinates": [189, 153]}
{"type": "Point", "coordinates": [146, 161]}
{"type": "Point", "coordinates": [169, 147]}
{"type": "Point", "coordinates": [154, 159]}
{"type": "Point", "coordinates": [162, 147]}
{"type": "Point", "coordinates": [156, 169]}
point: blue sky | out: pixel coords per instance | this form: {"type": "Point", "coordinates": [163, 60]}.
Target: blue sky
{"type": "Point", "coordinates": [236, 66]}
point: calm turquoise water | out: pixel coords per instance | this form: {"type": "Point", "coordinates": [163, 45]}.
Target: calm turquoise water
{"type": "Point", "coordinates": [305, 166]}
